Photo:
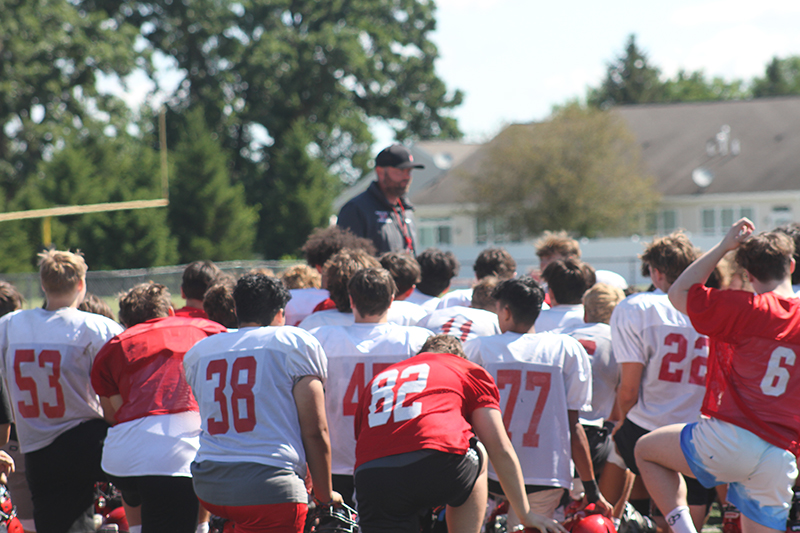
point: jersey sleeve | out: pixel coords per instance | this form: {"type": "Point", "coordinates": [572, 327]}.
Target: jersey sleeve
{"type": "Point", "coordinates": [717, 313]}
{"type": "Point", "coordinates": [103, 380]}
{"type": "Point", "coordinates": [306, 358]}
{"type": "Point", "coordinates": [472, 349]}
{"type": "Point", "coordinates": [626, 337]}
{"type": "Point", "coordinates": [480, 390]}
{"type": "Point", "coordinates": [577, 376]}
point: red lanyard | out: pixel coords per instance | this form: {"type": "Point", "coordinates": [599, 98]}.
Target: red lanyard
{"type": "Point", "coordinates": [401, 216]}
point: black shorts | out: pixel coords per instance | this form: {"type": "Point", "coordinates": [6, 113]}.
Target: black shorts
{"type": "Point", "coordinates": [626, 438]}
{"type": "Point", "coordinates": [169, 504]}
{"type": "Point", "coordinates": [61, 477]}
{"type": "Point", "coordinates": [391, 498]}
{"type": "Point", "coordinates": [599, 445]}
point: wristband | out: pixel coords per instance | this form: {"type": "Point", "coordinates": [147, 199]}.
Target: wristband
{"type": "Point", "coordinates": [590, 490]}
{"type": "Point", "coordinates": [319, 503]}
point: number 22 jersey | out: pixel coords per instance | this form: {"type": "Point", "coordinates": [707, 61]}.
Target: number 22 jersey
{"type": "Point", "coordinates": [647, 329]}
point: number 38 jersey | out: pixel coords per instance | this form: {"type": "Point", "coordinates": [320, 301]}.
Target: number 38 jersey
{"type": "Point", "coordinates": [356, 354]}
{"type": "Point", "coordinates": [540, 376]}
{"type": "Point", "coordinates": [422, 403]}
{"type": "Point", "coordinates": [47, 359]}
{"type": "Point", "coordinates": [242, 381]}
{"type": "Point", "coordinates": [647, 329]}
{"type": "Point", "coordinates": [754, 380]}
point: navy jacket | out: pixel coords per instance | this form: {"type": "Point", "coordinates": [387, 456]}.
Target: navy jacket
{"type": "Point", "coordinates": [370, 215]}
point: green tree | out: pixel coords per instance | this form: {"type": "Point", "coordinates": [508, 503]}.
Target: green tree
{"type": "Point", "coordinates": [782, 77]}
{"type": "Point", "coordinates": [580, 171]}
{"type": "Point", "coordinates": [51, 52]}
{"type": "Point", "coordinates": [270, 73]}
{"type": "Point", "coordinates": [630, 79]}
{"type": "Point", "coordinates": [694, 86]}
{"type": "Point", "coordinates": [97, 169]}
{"type": "Point", "coordinates": [207, 213]}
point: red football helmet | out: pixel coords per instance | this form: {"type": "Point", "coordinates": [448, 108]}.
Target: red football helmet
{"type": "Point", "coordinates": [594, 523]}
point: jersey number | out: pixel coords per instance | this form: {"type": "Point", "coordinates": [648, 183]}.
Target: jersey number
{"type": "Point", "coordinates": [241, 395]}
{"type": "Point", "coordinates": [465, 328]}
{"type": "Point", "coordinates": [697, 374]}
{"type": "Point", "coordinates": [533, 380]}
{"type": "Point", "coordinates": [28, 384]}
{"type": "Point", "coordinates": [355, 389]}
{"type": "Point", "coordinates": [777, 376]}
{"type": "Point", "coordinates": [384, 403]}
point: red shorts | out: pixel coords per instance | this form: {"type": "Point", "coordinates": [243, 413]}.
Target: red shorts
{"type": "Point", "coordinates": [277, 517]}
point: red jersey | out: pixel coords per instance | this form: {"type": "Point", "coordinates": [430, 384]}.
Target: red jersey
{"type": "Point", "coordinates": [752, 377]}
{"type": "Point", "coordinates": [191, 312]}
{"type": "Point", "coordinates": [324, 305]}
{"type": "Point", "coordinates": [424, 402]}
{"type": "Point", "coordinates": [144, 364]}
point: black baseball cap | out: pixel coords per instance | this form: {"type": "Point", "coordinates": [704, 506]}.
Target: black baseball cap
{"type": "Point", "coordinates": [396, 156]}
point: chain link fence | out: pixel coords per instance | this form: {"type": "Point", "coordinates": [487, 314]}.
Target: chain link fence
{"type": "Point", "coordinates": [110, 283]}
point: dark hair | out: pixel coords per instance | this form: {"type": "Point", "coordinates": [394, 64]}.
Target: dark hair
{"type": "Point", "coordinates": [793, 231]}
{"type": "Point", "coordinates": [443, 344]}
{"type": "Point", "coordinates": [404, 269]}
{"type": "Point", "coordinates": [339, 269]}
{"type": "Point", "coordinates": [218, 302]}
{"type": "Point", "coordinates": [523, 297]}
{"type": "Point", "coordinates": [197, 277]}
{"type": "Point", "coordinates": [766, 256]}
{"type": "Point", "coordinates": [437, 269]}
{"type": "Point", "coordinates": [372, 290]}
{"type": "Point", "coordinates": [494, 262]}
{"type": "Point", "coordinates": [259, 298]}
{"type": "Point", "coordinates": [323, 243]}
{"type": "Point", "coordinates": [569, 279]}
{"type": "Point", "coordinates": [482, 293]}
{"type": "Point", "coordinates": [10, 298]}
{"type": "Point", "coordinates": [144, 302]}
{"type": "Point", "coordinates": [93, 304]}
{"type": "Point", "coordinates": [670, 255]}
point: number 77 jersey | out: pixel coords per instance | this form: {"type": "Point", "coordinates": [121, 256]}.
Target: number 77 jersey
{"type": "Point", "coordinates": [540, 377]}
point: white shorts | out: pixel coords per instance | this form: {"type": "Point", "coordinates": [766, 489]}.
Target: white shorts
{"type": "Point", "coordinates": [760, 475]}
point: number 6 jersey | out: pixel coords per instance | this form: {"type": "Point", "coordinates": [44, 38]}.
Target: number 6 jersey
{"type": "Point", "coordinates": [47, 363]}
{"type": "Point", "coordinates": [647, 329]}
{"type": "Point", "coordinates": [243, 381]}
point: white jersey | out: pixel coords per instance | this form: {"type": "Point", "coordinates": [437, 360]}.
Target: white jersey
{"type": "Point", "coordinates": [428, 303]}
{"type": "Point", "coordinates": [243, 383]}
{"type": "Point", "coordinates": [540, 376]}
{"type": "Point", "coordinates": [47, 361]}
{"type": "Point", "coordinates": [559, 317]}
{"type": "Point", "coordinates": [302, 304]}
{"type": "Point", "coordinates": [466, 323]}
{"type": "Point", "coordinates": [355, 354]}
{"type": "Point", "coordinates": [596, 340]}
{"type": "Point", "coordinates": [647, 329]}
{"type": "Point", "coordinates": [458, 297]}
{"type": "Point", "coordinates": [406, 313]}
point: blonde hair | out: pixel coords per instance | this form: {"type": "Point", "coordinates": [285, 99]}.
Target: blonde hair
{"type": "Point", "coordinates": [60, 272]}
{"type": "Point", "coordinates": [301, 277]}
{"type": "Point", "coordinates": [557, 243]}
{"type": "Point", "coordinates": [600, 301]}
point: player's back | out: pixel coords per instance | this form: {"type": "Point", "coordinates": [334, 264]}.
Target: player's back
{"type": "Point", "coordinates": [466, 323]}
{"type": "Point", "coordinates": [647, 329]}
{"type": "Point", "coordinates": [540, 377]}
{"type": "Point", "coordinates": [50, 356]}
{"type": "Point", "coordinates": [457, 297]}
{"type": "Point", "coordinates": [356, 354]}
{"type": "Point", "coordinates": [303, 303]}
{"type": "Point", "coordinates": [596, 340]}
{"type": "Point", "coordinates": [405, 313]}
{"type": "Point", "coordinates": [243, 383]}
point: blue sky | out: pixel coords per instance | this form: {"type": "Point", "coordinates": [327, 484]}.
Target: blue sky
{"type": "Point", "coordinates": [515, 59]}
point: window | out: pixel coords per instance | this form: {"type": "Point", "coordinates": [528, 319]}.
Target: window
{"type": "Point", "coordinates": [780, 215]}
{"type": "Point", "coordinates": [661, 222]}
{"type": "Point", "coordinates": [717, 220]}
{"type": "Point", "coordinates": [493, 230]}
{"type": "Point", "coordinates": [434, 232]}
{"type": "Point", "coordinates": [709, 221]}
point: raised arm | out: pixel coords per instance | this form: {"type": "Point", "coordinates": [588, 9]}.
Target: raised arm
{"type": "Point", "coordinates": [699, 271]}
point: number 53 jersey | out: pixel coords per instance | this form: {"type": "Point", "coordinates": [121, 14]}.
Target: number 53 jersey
{"type": "Point", "coordinates": [47, 363]}
{"type": "Point", "coordinates": [647, 329]}
{"type": "Point", "coordinates": [242, 381]}
{"type": "Point", "coordinates": [540, 376]}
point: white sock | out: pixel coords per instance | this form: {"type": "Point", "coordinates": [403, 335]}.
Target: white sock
{"type": "Point", "coordinates": [135, 529]}
{"type": "Point", "coordinates": [680, 520]}
{"type": "Point", "coordinates": [202, 527]}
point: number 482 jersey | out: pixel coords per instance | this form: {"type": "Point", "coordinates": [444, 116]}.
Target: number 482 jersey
{"type": "Point", "coordinates": [647, 329]}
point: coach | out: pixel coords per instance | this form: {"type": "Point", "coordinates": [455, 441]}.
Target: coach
{"type": "Point", "coordinates": [382, 213]}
